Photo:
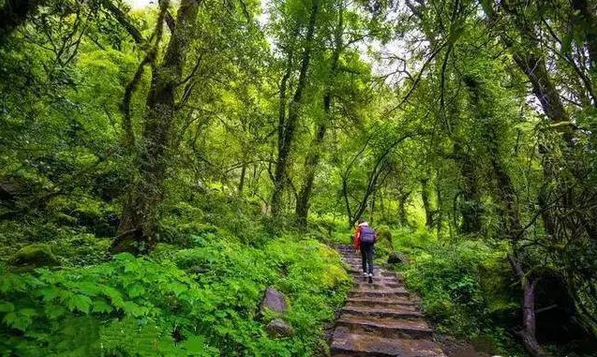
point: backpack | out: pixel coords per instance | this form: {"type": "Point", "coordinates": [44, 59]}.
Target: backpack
{"type": "Point", "coordinates": [367, 234]}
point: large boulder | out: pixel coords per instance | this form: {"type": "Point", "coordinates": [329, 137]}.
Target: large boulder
{"type": "Point", "coordinates": [279, 328]}
{"type": "Point", "coordinates": [34, 256]}
{"type": "Point", "coordinates": [274, 301]}
{"type": "Point", "coordinates": [397, 258]}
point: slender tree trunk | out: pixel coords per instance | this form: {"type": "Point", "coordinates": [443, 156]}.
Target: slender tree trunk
{"type": "Point", "coordinates": [471, 207]}
{"type": "Point", "coordinates": [534, 67]}
{"type": "Point", "coordinates": [531, 62]}
{"type": "Point", "coordinates": [314, 155]}
{"type": "Point", "coordinates": [311, 162]}
{"type": "Point", "coordinates": [528, 284]}
{"type": "Point", "coordinates": [138, 227]}
{"type": "Point", "coordinates": [402, 201]}
{"type": "Point", "coordinates": [243, 173]}
{"type": "Point", "coordinates": [439, 195]}
{"type": "Point", "coordinates": [286, 131]}
{"type": "Point", "coordinates": [279, 180]}
{"type": "Point", "coordinates": [372, 211]}
{"type": "Point", "coordinates": [425, 196]}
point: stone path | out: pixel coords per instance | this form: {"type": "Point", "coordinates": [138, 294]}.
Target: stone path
{"type": "Point", "coordinates": [379, 319]}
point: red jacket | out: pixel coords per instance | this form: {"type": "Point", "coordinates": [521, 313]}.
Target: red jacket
{"type": "Point", "coordinates": [357, 236]}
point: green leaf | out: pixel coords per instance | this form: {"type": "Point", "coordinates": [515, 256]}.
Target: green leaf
{"type": "Point", "coordinates": [79, 302]}
{"type": "Point", "coordinates": [28, 312]}
{"type": "Point", "coordinates": [132, 309]}
{"type": "Point", "coordinates": [177, 288]}
{"type": "Point", "coordinates": [48, 293]}
{"type": "Point", "coordinates": [53, 311]}
{"type": "Point", "coordinates": [101, 306]}
{"type": "Point", "coordinates": [6, 307]}
{"type": "Point", "coordinates": [124, 257]}
{"type": "Point", "coordinates": [17, 321]}
{"type": "Point", "coordinates": [136, 290]}
{"type": "Point", "coordinates": [114, 296]}
{"type": "Point", "coordinates": [195, 344]}
{"type": "Point", "coordinates": [88, 288]}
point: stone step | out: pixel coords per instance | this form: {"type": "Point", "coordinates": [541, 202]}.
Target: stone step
{"type": "Point", "coordinates": [378, 318]}
{"type": "Point", "coordinates": [372, 293]}
{"type": "Point", "coordinates": [396, 312]}
{"type": "Point", "coordinates": [357, 269]}
{"type": "Point", "coordinates": [396, 304]}
{"type": "Point", "coordinates": [389, 273]}
{"type": "Point", "coordinates": [349, 344]}
{"type": "Point", "coordinates": [358, 273]}
{"type": "Point", "coordinates": [380, 302]}
{"type": "Point", "coordinates": [378, 284]}
{"type": "Point", "coordinates": [386, 327]}
{"type": "Point", "coordinates": [349, 253]}
{"type": "Point", "coordinates": [350, 257]}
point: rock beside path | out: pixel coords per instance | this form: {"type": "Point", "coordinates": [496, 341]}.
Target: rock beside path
{"type": "Point", "coordinates": [279, 328]}
{"type": "Point", "coordinates": [274, 301]}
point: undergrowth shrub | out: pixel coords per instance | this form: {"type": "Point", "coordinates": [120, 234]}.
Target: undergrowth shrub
{"type": "Point", "coordinates": [199, 301]}
{"type": "Point", "coordinates": [406, 239]}
{"type": "Point", "coordinates": [457, 288]}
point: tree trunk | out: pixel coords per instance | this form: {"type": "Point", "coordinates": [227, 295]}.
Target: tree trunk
{"type": "Point", "coordinates": [402, 200]}
{"type": "Point", "coordinates": [535, 69]}
{"type": "Point", "coordinates": [138, 227]}
{"type": "Point", "coordinates": [439, 195]}
{"type": "Point", "coordinates": [528, 284]}
{"type": "Point", "coordinates": [314, 156]}
{"type": "Point", "coordinates": [511, 215]}
{"type": "Point", "coordinates": [279, 180]}
{"type": "Point", "coordinates": [471, 207]}
{"type": "Point", "coordinates": [311, 163]}
{"type": "Point", "coordinates": [531, 62]}
{"type": "Point", "coordinates": [426, 203]}
{"type": "Point", "coordinates": [372, 210]}
{"type": "Point", "coordinates": [243, 173]}
{"type": "Point", "coordinates": [287, 129]}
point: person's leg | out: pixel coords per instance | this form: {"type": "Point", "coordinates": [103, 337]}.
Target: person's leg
{"type": "Point", "coordinates": [364, 257]}
{"type": "Point", "coordinates": [370, 259]}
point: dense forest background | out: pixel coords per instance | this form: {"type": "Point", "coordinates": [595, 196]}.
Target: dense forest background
{"type": "Point", "coordinates": [160, 167]}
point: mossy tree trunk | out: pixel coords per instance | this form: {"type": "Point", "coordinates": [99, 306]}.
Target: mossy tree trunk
{"type": "Point", "coordinates": [287, 126]}
{"type": "Point", "coordinates": [314, 155]}
{"type": "Point", "coordinates": [138, 227]}
{"type": "Point", "coordinates": [506, 197]}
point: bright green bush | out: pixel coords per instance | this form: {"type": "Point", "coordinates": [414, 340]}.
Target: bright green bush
{"type": "Point", "coordinates": [201, 301]}
{"type": "Point", "coordinates": [406, 239]}
{"type": "Point", "coordinates": [455, 284]}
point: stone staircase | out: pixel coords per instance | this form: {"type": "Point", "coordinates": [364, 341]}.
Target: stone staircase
{"type": "Point", "coordinates": [379, 319]}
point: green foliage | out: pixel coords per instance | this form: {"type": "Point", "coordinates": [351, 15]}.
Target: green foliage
{"type": "Point", "coordinates": [198, 301]}
{"type": "Point", "coordinates": [406, 239]}
{"type": "Point", "coordinates": [462, 286]}
{"type": "Point", "coordinates": [448, 146]}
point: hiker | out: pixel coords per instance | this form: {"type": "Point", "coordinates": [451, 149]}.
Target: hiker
{"type": "Point", "coordinates": [364, 239]}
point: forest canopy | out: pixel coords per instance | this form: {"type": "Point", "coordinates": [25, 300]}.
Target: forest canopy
{"type": "Point", "coordinates": [161, 166]}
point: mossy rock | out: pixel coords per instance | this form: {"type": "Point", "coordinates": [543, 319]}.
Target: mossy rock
{"type": "Point", "coordinates": [34, 256]}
